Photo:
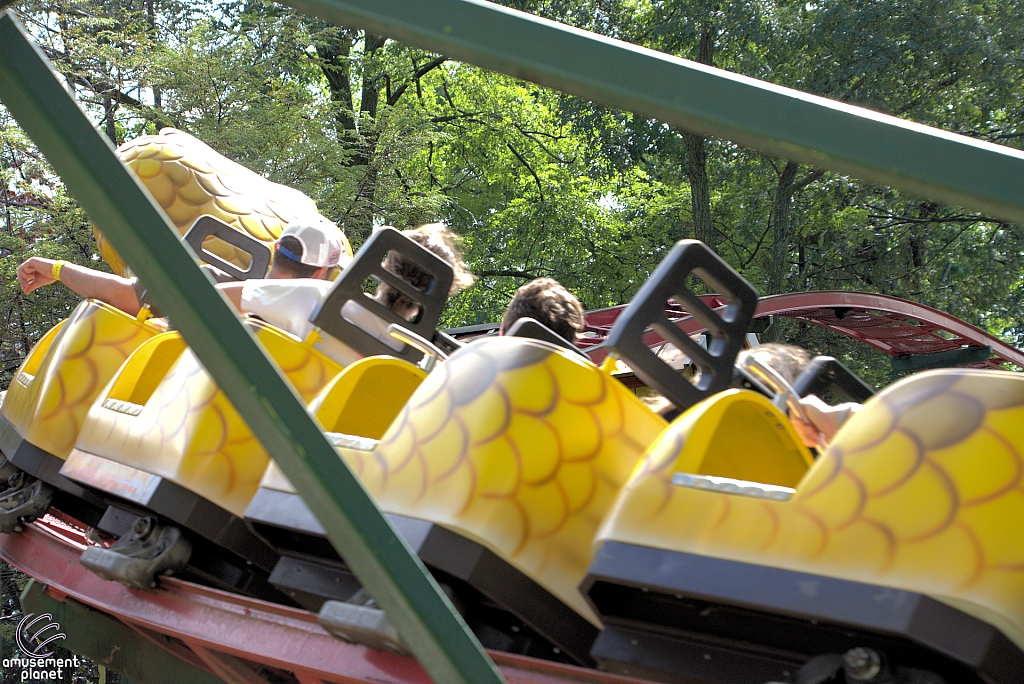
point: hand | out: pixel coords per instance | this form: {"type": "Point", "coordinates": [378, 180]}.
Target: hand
{"type": "Point", "coordinates": [826, 420]}
{"type": "Point", "coordinates": [34, 273]}
{"type": "Point", "coordinates": [809, 434]}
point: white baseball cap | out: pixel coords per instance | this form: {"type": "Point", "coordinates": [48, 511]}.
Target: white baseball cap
{"type": "Point", "coordinates": [321, 242]}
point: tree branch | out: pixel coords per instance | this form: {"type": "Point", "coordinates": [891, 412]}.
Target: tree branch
{"type": "Point", "coordinates": [506, 274]}
{"type": "Point", "coordinates": [416, 75]}
{"type": "Point", "coordinates": [529, 168]}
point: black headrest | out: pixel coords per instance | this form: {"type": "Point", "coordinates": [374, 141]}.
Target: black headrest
{"type": "Point", "coordinates": [726, 329]}
{"type": "Point", "coordinates": [208, 226]}
{"type": "Point", "coordinates": [368, 263]}
{"type": "Point", "coordinates": [825, 375]}
{"type": "Point", "coordinates": [534, 329]}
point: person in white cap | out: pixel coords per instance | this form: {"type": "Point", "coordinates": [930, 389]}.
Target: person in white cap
{"type": "Point", "coordinates": [297, 280]}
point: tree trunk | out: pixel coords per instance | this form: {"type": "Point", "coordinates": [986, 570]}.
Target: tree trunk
{"type": "Point", "coordinates": [334, 63]}
{"type": "Point", "coordinates": [157, 92]}
{"type": "Point", "coordinates": [781, 206]}
{"type": "Point", "coordinates": [696, 158]}
{"type": "Point", "coordinates": [700, 189]}
{"type": "Point", "coordinates": [371, 81]}
{"type": "Point", "coordinates": [360, 223]}
{"type": "Point", "coordinates": [110, 107]}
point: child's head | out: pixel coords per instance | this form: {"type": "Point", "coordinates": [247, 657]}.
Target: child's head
{"type": "Point", "coordinates": [546, 301]}
{"type": "Point", "coordinates": [437, 238]}
{"type": "Point", "coordinates": [785, 359]}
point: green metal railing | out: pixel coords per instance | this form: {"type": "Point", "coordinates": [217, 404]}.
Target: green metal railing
{"type": "Point", "coordinates": [143, 235]}
{"type": "Point", "coordinates": [940, 166]}
{"type": "Point", "coordinates": [946, 168]}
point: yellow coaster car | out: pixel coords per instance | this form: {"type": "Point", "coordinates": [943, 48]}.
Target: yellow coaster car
{"type": "Point", "coordinates": [231, 216]}
{"type": "Point", "coordinates": [501, 467]}
{"type": "Point", "coordinates": [897, 556]}
{"type": "Point", "coordinates": [163, 438]}
{"type": "Point", "coordinates": [189, 179]}
{"type": "Point", "coordinates": [47, 402]}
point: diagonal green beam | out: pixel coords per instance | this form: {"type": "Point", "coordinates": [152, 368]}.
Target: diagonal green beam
{"type": "Point", "coordinates": [140, 231]}
{"type": "Point", "coordinates": [940, 166]}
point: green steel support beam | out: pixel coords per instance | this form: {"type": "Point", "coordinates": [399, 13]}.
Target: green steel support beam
{"type": "Point", "coordinates": [947, 359]}
{"type": "Point", "coordinates": [109, 642]}
{"type": "Point", "coordinates": [940, 166]}
{"type": "Point", "coordinates": [140, 231]}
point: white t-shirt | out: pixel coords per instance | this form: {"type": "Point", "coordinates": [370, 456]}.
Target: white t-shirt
{"type": "Point", "coordinates": [286, 303]}
{"type": "Point", "coordinates": [290, 303]}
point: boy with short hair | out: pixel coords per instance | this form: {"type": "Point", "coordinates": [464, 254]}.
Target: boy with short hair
{"type": "Point", "coordinates": [548, 302]}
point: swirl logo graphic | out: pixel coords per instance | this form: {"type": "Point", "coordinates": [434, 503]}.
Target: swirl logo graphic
{"type": "Point", "coordinates": [33, 644]}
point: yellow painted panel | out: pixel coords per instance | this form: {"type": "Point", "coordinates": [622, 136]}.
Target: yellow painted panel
{"type": "Point", "coordinates": [365, 398]}
{"type": "Point", "coordinates": [923, 490]}
{"type": "Point", "coordinates": [190, 179]}
{"type": "Point", "coordinates": [184, 428]}
{"type": "Point", "coordinates": [487, 447]}
{"type": "Point", "coordinates": [77, 364]}
{"type": "Point", "coordinates": [19, 398]}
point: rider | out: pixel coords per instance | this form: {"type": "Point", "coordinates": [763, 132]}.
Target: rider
{"type": "Point", "coordinates": [789, 361]}
{"type": "Point", "coordinates": [548, 302]}
{"type": "Point", "coordinates": [88, 283]}
{"type": "Point", "coordinates": [294, 288]}
{"type": "Point", "coordinates": [290, 305]}
{"type": "Point", "coordinates": [291, 259]}
{"type": "Point", "coordinates": [297, 281]}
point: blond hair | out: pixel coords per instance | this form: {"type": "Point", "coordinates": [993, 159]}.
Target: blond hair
{"type": "Point", "coordinates": [785, 359]}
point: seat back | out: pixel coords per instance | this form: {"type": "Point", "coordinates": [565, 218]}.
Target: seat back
{"type": "Point", "coordinates": [226, 238]}
{"type": "Point", "coordinates": [361, 403]}
{"type": "Point", "coordinates": [139, 377]}
{"type": "Point", "coordinates": [534, 329]}
{"type": "Point", "coordinates": [830, 379]}
{"type": "Point", "coordinates": [726, 328]}
{"type": "Point", "coordinates": [364, 399]}
{"type": "Point", "coordinates": [738, 434]}
{"type": "Point", "coordinates": [350, 315]}
{"type": "Point", "coordinates": [221, 256]}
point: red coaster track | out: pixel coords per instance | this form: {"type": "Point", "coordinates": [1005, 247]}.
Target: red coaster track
{"type": "Point", "coordinates": [895, 326]}
{"type": "Point", "coordinates": [233, 637]}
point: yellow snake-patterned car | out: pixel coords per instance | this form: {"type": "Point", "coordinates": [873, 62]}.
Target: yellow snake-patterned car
{"type": "Point", "coordinates": [518, 448]}
{"type": "Point", "coordinates": [500, 469]}
{"type": "Point", "coordinates": [900, 550]}
{"type": "Point", "coordinates": [188, 179]}
{"type": "Point", "coordinates": [165, 440]}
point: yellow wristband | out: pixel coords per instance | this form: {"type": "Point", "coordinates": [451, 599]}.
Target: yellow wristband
{"type": "Point", "coordinates": [55, 269]}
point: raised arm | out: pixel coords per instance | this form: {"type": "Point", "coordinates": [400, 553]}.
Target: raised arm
{"type": "Point", "coordinates": [85, 282]}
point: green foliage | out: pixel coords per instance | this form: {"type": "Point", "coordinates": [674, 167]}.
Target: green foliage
{"type": "Point", "coordinates": [37, 218]}
{"type": "Point", "coordinates": [538, 183]}
{"type": "Point", "coordinates": [542, 184]}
